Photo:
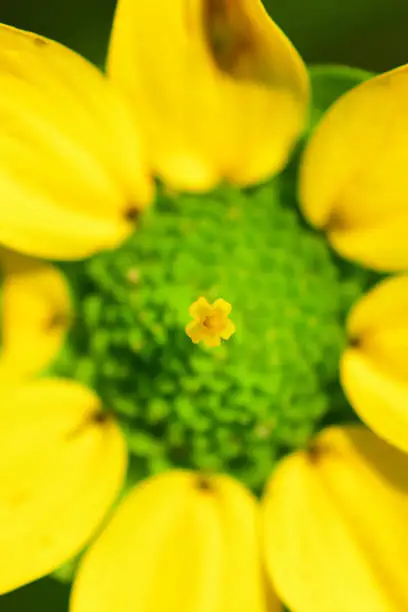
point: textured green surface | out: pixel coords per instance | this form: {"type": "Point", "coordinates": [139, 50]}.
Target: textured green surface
{"type": "Point", "coordinates": [238, 407]}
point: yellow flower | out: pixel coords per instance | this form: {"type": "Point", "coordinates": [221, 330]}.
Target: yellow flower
{"type": "Point", "coordinates": [73, 179]}
{"type": "Point", "coordinates": [222, 95]}
{"type": "Point", "coordinates": [211, 322]}
{"type": "Point", "coordinates": [219, 89]}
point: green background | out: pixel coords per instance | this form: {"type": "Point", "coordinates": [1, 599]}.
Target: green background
{"type": "Point", "coordinates": [370, 34]}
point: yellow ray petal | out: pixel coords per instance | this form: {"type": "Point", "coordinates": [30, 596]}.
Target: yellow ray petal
{"type": "Point", "coordinates": [71, 169]}
{"type": "Point", "coordinates": [36, 313]}
{"type": "Point", "coordinates": [335, 525]}
{"type": "Point", "coordinates": [178, 542]}
{"type": "Point", "coordinates": [386, 305]}
{"type": "Point", "coordinates": [61, 467]}
{"type": "Point", "coordinates": [378, 324]}
{"type": "Point", "coordinates": [353, 176]}
{"type": "Point", "coordinates": [374, 369]}
{"type": "Point", "coordinates": [379, 397]}
{"type": "Point", "coordinates": [220, 90]}
{"type": "Point", "coordinates": [382, 247]}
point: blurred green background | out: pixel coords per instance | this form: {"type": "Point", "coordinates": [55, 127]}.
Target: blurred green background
{"type": "Point", "coordinates": [370, 34]}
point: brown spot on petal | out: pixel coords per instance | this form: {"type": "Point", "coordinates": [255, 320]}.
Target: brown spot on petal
{"type": "Point", "coordinates": [58, 319]}
{"type": "Point", "coordinates": [99, 417]}
{"type": "Point", "coordinates": [40, 42]}
{"type": "Point", "coordinates": [317, 450]}
{"type": "Point", "coordinates": [354, 342]}
{"type": "Point", "coordinates": [229, 35]}
{"type": "Point", "coordinates": [335, 222]}
{"type": "Point", "coordinates": [203, 483]}
{"type": "Point", "coordinates": [132, 214]}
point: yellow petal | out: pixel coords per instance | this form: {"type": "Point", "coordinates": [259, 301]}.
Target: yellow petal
{"type": "Point", "coordinates": [222, 306]}
{"type": "Point", "coordinates": [228, 330]}
{"type": "Point", "coordinates": [379, 397]}
{"type": "Point", "coordinates": [36, 314]}
{"type": "Point", "coordinates": [378, 323]}
{"type": "Point", "coordinates": [200, 308]}
{"type": "Point", "coordinates": [61, 467]}
{"type": "Point", "coordinates": [382, 247]}
{"type": "Point", "coordinates": [220, 90]}
{"type": "Point", "coordinates": [335, 525]}
{"type": "Point", "coordinates": [374, 369]}
{"type": "Point", "coordinates": [386, 305]}
{"type": "Point", "coordinates": [71, 169]}
{"type": "Point", "coordinates": [178, 542]}
{"type": "Point", "coordinates": [193, 330]}
{"type": "Point", "coordinates": [353, 176]}
{"type": "Point", "coordinates": [210, 340]}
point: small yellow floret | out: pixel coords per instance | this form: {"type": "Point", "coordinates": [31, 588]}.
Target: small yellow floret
{"type": "Point", "coordinates": [210, 322]}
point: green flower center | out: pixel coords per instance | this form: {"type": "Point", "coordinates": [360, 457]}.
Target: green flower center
{"type": "Point", "coordinates": [238, 407]}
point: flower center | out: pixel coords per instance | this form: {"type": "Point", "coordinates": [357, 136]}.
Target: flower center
{"type": "Point", "coordinates": [237, 407]}
{"type": "Point", "coordinates": [213, 323]}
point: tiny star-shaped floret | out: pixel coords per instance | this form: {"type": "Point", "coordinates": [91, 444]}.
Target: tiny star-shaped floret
{"type": "Point", "coordinates": [210, 322]}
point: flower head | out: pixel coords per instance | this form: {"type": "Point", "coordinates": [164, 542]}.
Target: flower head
{"type": "Point", "coordinates": [211, 322]}
{"type": "Point", "coordinates": [181, 540]}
